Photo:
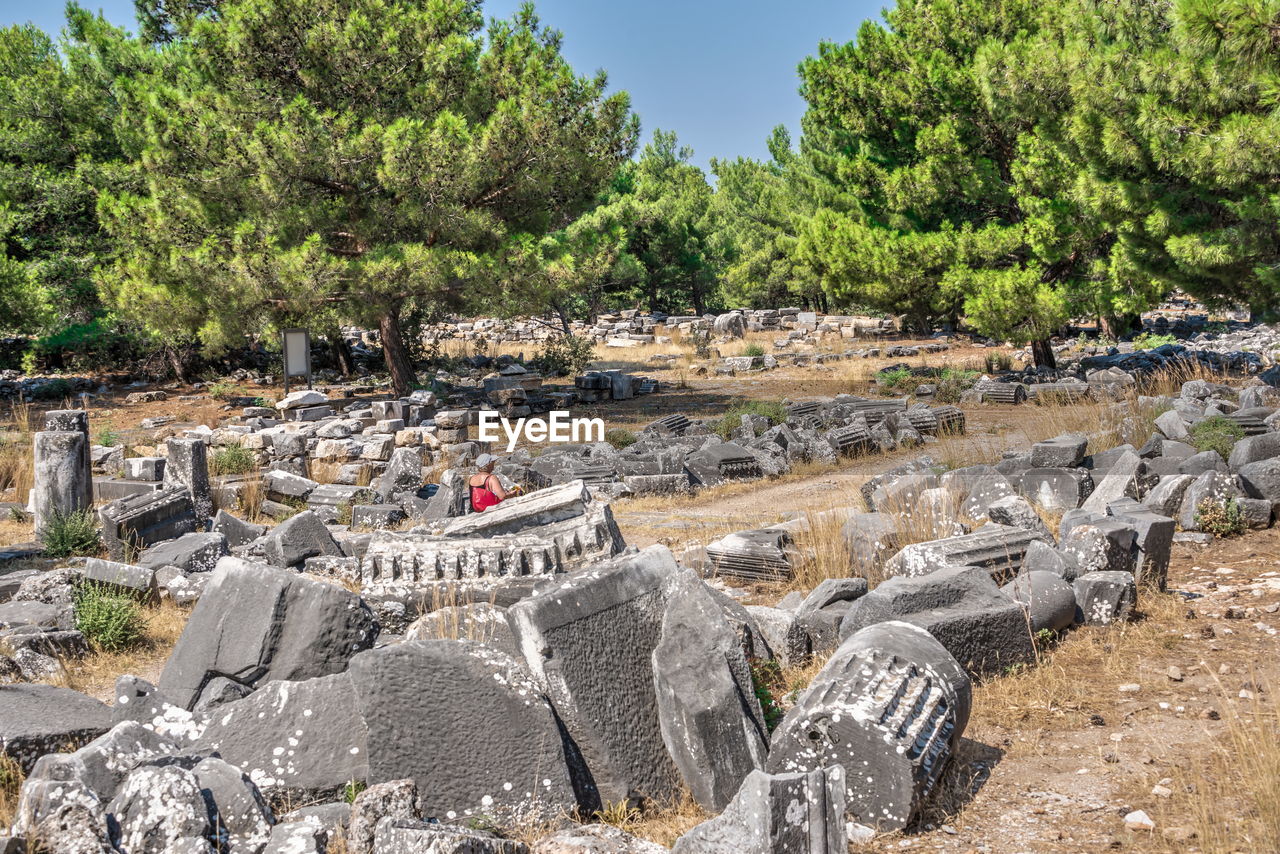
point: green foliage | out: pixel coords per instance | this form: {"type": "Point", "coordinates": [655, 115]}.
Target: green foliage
{"type": "Point", "coordinates": [1216, 433]}
{"type": "Point", "coordinates": [55, 389]}
{"type": "Point", "coordinates": [620, 438]}
{"type": "Point", "coordinates": [222, 390]}
{"type": "Point", "coordinates": [1150, 341]}
{"type": "Point", "coordinates": [109, 620]}
{"type": "Point", "coordinates": [69, 534]}
{"type": "Point", "coordinates": [233, 459]}
{"type": "Point", "coordinates": [107, 438]}
{"type": "Point", "coordinates": [891, 379]}
{"type": "Point", "coordinates": [352, 789]}
{"type": "Point", "coordinates": [997, 362]}
{"type": "Point", "coordinates": [766, 677]}
{"type": "Point", "coordinates": [732, 418]}
{"type": "Point", "coordinates": [1220, 518]}
{"type": "Point", "coordinates": [325, 161]}
{"type": "Point", "coordinates": [566, 355]}
{"type": "Point", "coordinates": [953, 382]}
{"type": "Point", "coordinates": [753, 350]}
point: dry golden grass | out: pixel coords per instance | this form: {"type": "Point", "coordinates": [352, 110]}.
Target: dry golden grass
{"type": "Point", "coordinates": [1052, 694]}
{"type": "Point", "coordinates": [660, 824]}
{"type": "Point", "coordinates": [11, 777]}
{"type": "Point", "coordinates": [1235, 804]}
{"type": "Point", "coordinates": [96, 673]}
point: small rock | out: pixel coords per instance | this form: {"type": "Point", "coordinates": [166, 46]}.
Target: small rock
{"type": "Point", "coordinates": [1161, 791]}
{"type": "Point", "coordinates": [1175, 674]}
{"type": "Point", "coordinates": [1139, 820]}
{"type": "Point", "coordinates": [1130, 688]}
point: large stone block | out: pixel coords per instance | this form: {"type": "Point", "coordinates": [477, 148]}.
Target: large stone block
{"type": "Point", "coordinates": [75, 421]}
{"type": "Point", "coordinates": [1047, 597]}
{"type": "Point", "coordinates": [1103, 598]}
{"type": "Point", "coordinates": [962, 607]}
{"type": "Point", "coordinates": [997, 548]}
{"type": "Point", "coordinates": [890, 704]}
{"type": "Point", "coordinates": [1101, 544]}
{"type": "Point", "coordinates": [297, 538]}
{"type": "Point", "coordinates": [1252, 449]}
{"type": "Point", "coordinates": [1065, 451]}
{"type": "Point", "coordinates": [1166, 498]}
{"type": "Point", "coordinates": [1056, 488]}
{"type": "Point", "coordinates": [187, 466]}
{"type": "Point", "coordinates": [131, 524]}
{"type": "Point", "coordinates": [63, 479]}
{"type": "Point", "coordinates": [1127, 476]}
{"type": "Point", "coordinates": [590, 639]}
{"type": "Point", "coordinates": [39, 719]}
{"type": "Point", "coordinates": [255, 623]}
{"type": "Point", "coordinates": [710, 718]}
{"type": "Point", "coordinates": [1211, 487]}
{"type": "Point", "coordinates": [190, 553]}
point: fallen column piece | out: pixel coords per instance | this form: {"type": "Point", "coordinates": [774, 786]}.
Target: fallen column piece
{"type": "Point", "coordinates": [800, 812]}
{"type": "Point", "coordinates": [997, 548]}
{"type": "Point", "coordinates": [131, 524]}
{"type": "Point", "coordinates": [75, 421]}
{"type": "Point", "coordinates": [764, 553]}
{"type": "Point", "coordinates": [888, 707]}
{"type": "Point", "coordinates": [188, 467]}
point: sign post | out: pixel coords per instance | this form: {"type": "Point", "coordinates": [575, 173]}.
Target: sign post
{"type": "Point", "coordinates": [296, 347]}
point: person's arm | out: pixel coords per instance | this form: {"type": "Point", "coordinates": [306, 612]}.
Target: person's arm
{"type": "Point", "coordinates": [495, 486]}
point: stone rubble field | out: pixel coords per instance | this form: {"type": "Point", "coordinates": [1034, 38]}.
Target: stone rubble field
{"type": "Point", "coordinates": [372, 669]}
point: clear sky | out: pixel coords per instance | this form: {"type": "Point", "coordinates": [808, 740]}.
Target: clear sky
{"type": "Point", "coordinates": [721, 73]}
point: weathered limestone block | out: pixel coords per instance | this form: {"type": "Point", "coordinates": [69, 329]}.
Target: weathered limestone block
{"type": "Point", "coordinates": [962, 607]}
{"type": "Point", "coordinates": [409, 836]}
{"type": "Point", "coordinates": [187, 466]}
{"type": "Point", "coordinates": [997, 548]}
{"type": "Point", "coordinates": [61, 477]}
{"type": "Point", "coordinates": [74, 421]}
{"type": "Point", "coordinates": [1065, 451]}
{"type": "Point", "coordinates": [589, 639]}
{"type": "Point", "coordinates": [1101, 544]}
{"type": "Point", "coordinates": [136, 581]}
{"type": "Point", "coordinates": [710, 718]}
{"type": "Point", "coordinates": [1103, 598]}
{"type": "Point", "coordinates": [299, 537]}
{"type": "Point", "coordinates": [256, 623]}
{"type": "Point", "coordinates": [1047, 597]}
{"type": "Point", "coordinates": [40, 719]}
{"type": "Point", "coordinates": [888, 708]}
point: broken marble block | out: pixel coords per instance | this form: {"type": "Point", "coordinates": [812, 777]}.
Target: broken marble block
{"type": "Point", "coordinates": [1127, 476]}
{"type": "Point", "coordinates": [133, 523]}
{"type": "Point", "coordinates": [707, 708]}
{"type": "Point", "coordinates": [589, 638]}
{"type": "Point", "coordinates": [255, 623]}
{"type": "Point", "coordinates": [1065, 451]}
{"type": "Point", "coordinates": [1153, 541]}
{"type": "Point", "coordinates": [38, 719]}
{"type": "Point", "coordinates": [187, 467]}
{"type": "Point", "coordinates": [1048, 599]}
{"type": "Point", "coordinates": [297, 538]}
{"type": "Point", "coordinates": [1209, 488]}
{"type": "Point", "coordinates": [410, 836]}
{"type": "Point", "coordinates": [762, 554]}
{"type": "Point", "coordinates": [136, 581]}
{"type": "Point", "coordinates": [962, 607]}
{"type": "Point", "coordinates": [1056, 488]}
{"type": "Point", "coordinates": [1103, 543]}
{"type": "Point", "coordinates": [997, 548]}
{"type": "Point", "coordinates": [62, 477]}
{"type": "Point", "coordinates": [888, 708]}
{"type": "Point", "coordinates": [149, 469]}
{"type": "Point", "coordinates": [1103, 598]}
{"type": "Point", "coordinates": [775, 814]}
{"type": "Point", "coordinates": [237, 531]}
{"type": "Point", "coordinates": [189, 553]}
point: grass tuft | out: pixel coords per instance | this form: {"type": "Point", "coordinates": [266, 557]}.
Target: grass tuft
{"type": "Point", "coordinates": [69, 534]}
{"type": "Point", "coordinates": [110, 621]}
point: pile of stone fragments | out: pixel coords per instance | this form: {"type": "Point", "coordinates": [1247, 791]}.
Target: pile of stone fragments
{"type": "Point", "coordinates": [470, 676]}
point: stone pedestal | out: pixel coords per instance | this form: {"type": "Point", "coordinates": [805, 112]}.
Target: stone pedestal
{"type": "Point", "coordinates": [63, 483]}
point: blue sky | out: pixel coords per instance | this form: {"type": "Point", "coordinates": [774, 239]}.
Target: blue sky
{"type": "Point", "coordinates": [721, 73]}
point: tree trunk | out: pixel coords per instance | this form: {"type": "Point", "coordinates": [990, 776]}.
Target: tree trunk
{"type": "Point", "coordinates": [1042, 354]}
{"type": "Point", "coordinates": [176, 363]}
{"type": "Point", "coordinates": [342, 354]}
{"type": "Point", "coordinates": [397, 358]}
{"type": "Point", "coordinates": [1117, 326]}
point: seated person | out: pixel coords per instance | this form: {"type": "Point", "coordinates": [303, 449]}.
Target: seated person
{"type": "Point", "coordinates": [485, 487]}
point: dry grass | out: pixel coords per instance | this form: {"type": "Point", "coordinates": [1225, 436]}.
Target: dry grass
{"type": "Point", "coordinates": [1053, 696]}
{"type": "Point", "coordinates": [17, 467]}
{"type": "Point", "coordinates": [660, 824]}
{"type": "Point", "coordinates": [252, 494]}
{"type": "Point", "coordinates": [11, 778]}
{"type": "Point", "coordinates": [96, 673]}
{"type": "Point", "coordinates": [1235, 804]}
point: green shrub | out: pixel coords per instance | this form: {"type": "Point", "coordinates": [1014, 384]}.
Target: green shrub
{"type": "Point", "coordinates": [565, 355]}
{"type": "Point", "coordinates": [74, 533]}
{"type": "Point", "coordinates": [620, 438]}
{"type": "Point", "coordinates": [109, 620]}
{"type": "Point", "coordinates": [997, 362]}
{"type": "Point", "coordinates": [352, 789]}
{"type": "Point", "coordinates": [1216, 433]}
{"type": "Point", "coordinates": [952, 383]}
{"type": "Point", "coordinates": [753, 350]}
{"type": "Point", "coordinates": [232, 459]}
{"type": "Point", "coordinates": [222, 390]}
{"type": "Point", "coordinates": [732, 418]}
{"type": "Point", "coordinates": [58, 389]}
{"type": "Point", "coordinates": [1220, 518]}
{"type": "Point", "coordinates": [894, 379]}
{"type": "Point", "coordinates": [766, 678]}
{"type": "Point", "coordinates": [1148, 341]}
{"type": "Point", "coordinates": [107, 438]}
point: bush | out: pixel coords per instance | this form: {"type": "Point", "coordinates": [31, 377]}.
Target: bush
{"type": "Point", "coordinates": [997, 362]}
{"type": "Point", "coordinates": [952, 383]}
{"type": "Point", "coordinates": [732, 419]}
{"type": "Point", "coordinates": [766, 677]}
{"type": "Point", "coordinates": [1222, 519]}
{"type": "Point", "coordinates": [890, 380]}
{"type": "Point", "coordinates": [232, 459]}
{"type": "Point", "coordinates": [107, 438]}
{"type": "Point", "coordinates": [1147, 341]}
{"type": "Point", "coordinates": [74, 533]}
{"type": "Point", "coordinates": [58, 389]}
{"type": "Point", "coordinates": [110, 621]}
{"type": "Point", "coordinates": [1216, 433]}
{"type": "Point", "coordinates": [567, 354]}
{"type": "Point", "coordinates": [223, 390]}
{"type": "Point", "coordinates": [620, 438]}
{"type": "Point", "coordinates": [753, 350]}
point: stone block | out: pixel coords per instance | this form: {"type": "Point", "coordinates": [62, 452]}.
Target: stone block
{"type": "Point", "coordinates": [1065, 451]}
{"type": "Point", "coordinates": [1103, 598]}
{"type": "Point", "coordinates": [187, 466]}
{"type": "Point", "coordinates": [39, 719]}
{"type": "Point", "coordinates": [189, 553]}
{"type": "Point", "coordinates": [131, 524]}
{"type": "Point", "coordinates": [136, 581]}
{"type": "Point", "coordinates": [63, 478]}
{"type": "Point", "coordinates": [150, 469]}
{"type": "Point", "coordinates": [297, 538]}
{"type": "Point", "coordinates": [1048, 599]}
